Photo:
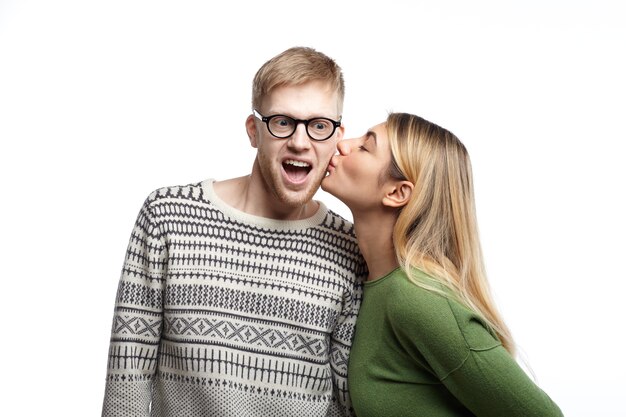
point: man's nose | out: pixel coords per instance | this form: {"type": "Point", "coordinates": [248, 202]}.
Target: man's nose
{"type": "Point", "coordinates": [300, 138]}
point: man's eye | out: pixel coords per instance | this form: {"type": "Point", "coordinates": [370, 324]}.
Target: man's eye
{"type": "Point", "coordinates": [281, 123]}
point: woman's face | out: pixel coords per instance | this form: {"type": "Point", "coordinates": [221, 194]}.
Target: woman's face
{"type": "Point", "coordinates": [357, 174]}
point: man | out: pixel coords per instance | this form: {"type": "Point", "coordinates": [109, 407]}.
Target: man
{"type": "Point", "coordinates": [239, 297]}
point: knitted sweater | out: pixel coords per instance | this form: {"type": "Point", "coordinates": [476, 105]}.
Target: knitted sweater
{"type": "Point", "coordinates": [221, 313]}
{"type": "Point", "coordinates": [417, 353]}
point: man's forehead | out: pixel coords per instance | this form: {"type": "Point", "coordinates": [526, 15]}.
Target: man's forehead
{"type": "Point", "coordinates": [302, 101]}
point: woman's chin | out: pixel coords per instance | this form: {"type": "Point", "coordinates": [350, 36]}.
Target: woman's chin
{"type": "Point", "coordinates": [326, 184]}
{"type": "Point", "coordinates": [330, 187]}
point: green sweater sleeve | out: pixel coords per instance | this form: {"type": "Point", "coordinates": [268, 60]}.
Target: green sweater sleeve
{"type": "Point", "coordinates": [491, 383]}
{"type": "Point", "coordinates": [465, 356]}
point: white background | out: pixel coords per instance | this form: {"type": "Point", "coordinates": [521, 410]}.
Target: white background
{"type": "Point", "coordinates": [102, 102]}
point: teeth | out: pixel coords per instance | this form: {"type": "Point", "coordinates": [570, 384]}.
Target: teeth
{"type": "Point", "coordinates": [297, 163]}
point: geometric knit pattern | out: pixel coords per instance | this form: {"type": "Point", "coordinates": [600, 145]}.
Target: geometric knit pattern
{"type": "Point", "coordinates": [220, 313]}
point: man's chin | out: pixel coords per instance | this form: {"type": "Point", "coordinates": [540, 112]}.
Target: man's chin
{"type": "Point", "coordinates": [295, 199]}
{"type": "Point", "coordinates": [302, 197]}
{"type": "Point", "coordinates": [301, 194]}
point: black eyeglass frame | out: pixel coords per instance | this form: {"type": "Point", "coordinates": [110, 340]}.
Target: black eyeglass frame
{"type": "Point", "coordinates": [266, 120]}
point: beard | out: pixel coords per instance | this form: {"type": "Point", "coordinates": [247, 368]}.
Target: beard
{"type": "Point", "coordinates": [274, 182]}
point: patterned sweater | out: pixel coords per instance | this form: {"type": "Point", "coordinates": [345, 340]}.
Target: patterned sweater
{"type": "Point", "coordinates": [221, 313]}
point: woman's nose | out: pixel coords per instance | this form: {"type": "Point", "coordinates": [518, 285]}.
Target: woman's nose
{"type": "Point", "coordinates": [344, 146]}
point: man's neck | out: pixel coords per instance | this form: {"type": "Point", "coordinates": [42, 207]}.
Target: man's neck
{"type": "Point", "coordinates": [242, 194]}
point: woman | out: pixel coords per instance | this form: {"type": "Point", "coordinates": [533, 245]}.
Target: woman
{"type": "Point", "coordinates": [429, 339]}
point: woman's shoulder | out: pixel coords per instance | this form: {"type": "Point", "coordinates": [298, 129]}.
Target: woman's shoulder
{"type": "Point", "coordinates": [421, 304]}
{"type": "Point", "coordinates": [415, 307]}
{"type": "Point", "coordinates": [418, 291]}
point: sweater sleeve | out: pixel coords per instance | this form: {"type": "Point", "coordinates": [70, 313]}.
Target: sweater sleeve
{"type": "Point", "coordinates": [468, 359]}
{"type": "Point", "coordinates": [340, 343]}
{"type": "Point", "coordinates": [137, 321]}
{"type": "Point", "coordinates": [489, 381]}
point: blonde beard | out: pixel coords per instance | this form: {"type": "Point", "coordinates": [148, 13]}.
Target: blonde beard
{"type": "Point", "coordinates": [286, 197]}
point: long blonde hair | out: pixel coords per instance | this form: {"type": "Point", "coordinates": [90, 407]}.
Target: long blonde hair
{"type": "Point", "coordinates": [437, 231]}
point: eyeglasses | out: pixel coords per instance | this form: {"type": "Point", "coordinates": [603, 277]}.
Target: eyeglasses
{"type": "Point", "coordinates": [281, 126]}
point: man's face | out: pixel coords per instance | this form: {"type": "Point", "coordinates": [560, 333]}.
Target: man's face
{"type": "Point", "coordinates": [293, 168]}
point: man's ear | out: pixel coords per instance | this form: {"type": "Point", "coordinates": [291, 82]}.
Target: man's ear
{"type": "Point", "coordinates": [340, 132]}
{"type": "Point", "coordinates": [251, 129]}
{"type": "Point", "coordinates": [397, 193]}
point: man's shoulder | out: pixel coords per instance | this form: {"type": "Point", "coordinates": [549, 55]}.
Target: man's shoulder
{"type": "Point", "coordinates": [192, 192]}
{"type": "Point", "coordinates": [337, 223]}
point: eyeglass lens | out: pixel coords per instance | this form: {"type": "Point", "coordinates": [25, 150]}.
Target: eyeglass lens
{"type": "Point", "coordinates": [284, 126]}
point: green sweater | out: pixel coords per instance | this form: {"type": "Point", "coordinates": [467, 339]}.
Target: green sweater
{"type": "Point", "coordinates": [417, 353]}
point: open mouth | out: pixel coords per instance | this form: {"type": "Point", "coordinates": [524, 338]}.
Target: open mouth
{"type": "Point", "coordinates": [296, 171]}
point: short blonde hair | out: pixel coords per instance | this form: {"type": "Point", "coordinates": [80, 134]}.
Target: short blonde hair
{"type": "Point", "coordinates": [295, 66]}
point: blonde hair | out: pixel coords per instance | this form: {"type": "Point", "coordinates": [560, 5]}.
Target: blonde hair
{"type": "Point", "coordinates": [437, 231]}
{"type": "Point", "coordinates": [295, 66]}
